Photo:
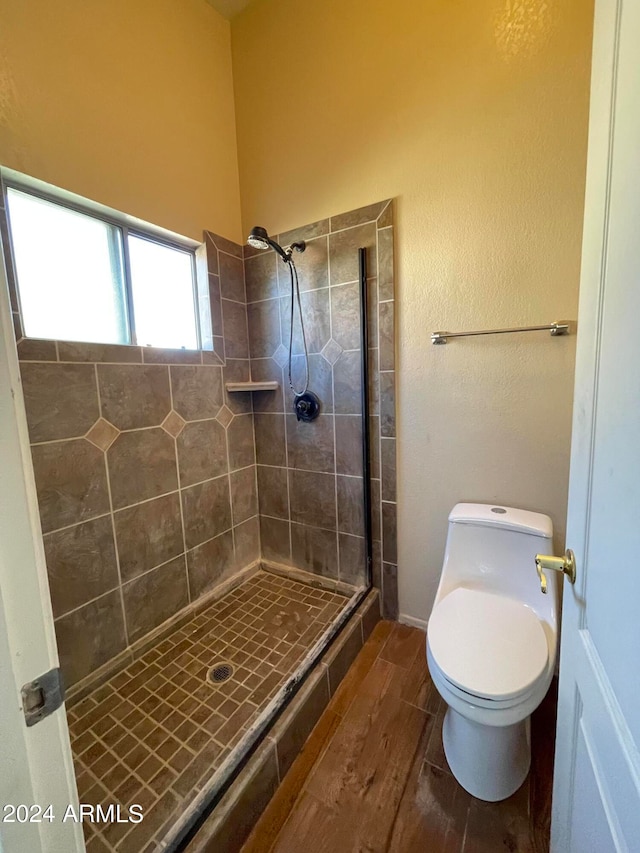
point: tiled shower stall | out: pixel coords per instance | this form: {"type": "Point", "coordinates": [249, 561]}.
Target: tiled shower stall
{"type": "Point", "coordinates": [310, 474]}
{"type": "Point", "coordinates": [185, 524]}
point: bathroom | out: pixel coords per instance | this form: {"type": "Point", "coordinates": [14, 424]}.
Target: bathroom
{"type": "Point", "coordinates": [449, 142]}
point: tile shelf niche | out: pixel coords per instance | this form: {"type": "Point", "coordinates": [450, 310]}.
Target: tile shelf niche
{"type": "Point", "coordinates": [251, 386]}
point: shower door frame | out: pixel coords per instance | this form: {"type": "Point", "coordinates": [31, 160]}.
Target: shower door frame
{"type": "Point", "coordinates": [201, 808]}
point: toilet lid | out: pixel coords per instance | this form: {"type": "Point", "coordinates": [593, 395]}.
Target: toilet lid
{"type": "Point", "coordinates": [486, 644]}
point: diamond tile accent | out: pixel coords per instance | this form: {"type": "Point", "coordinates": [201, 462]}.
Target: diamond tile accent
{"type": "Point", "coordinates": [102, 434]}
{"type": "Point", "coordinates": [173, 424]}
{"type": "Point", "coordinates": [281, 355]}
{"type": "Point", "coordinates": [224, 416]}
{"type": "Point", "coordinates": [331, 351]}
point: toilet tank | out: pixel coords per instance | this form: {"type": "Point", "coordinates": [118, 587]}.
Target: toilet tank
{"type": "Point", "coordinates": [493, 548]}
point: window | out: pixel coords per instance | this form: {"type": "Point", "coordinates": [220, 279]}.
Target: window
{"type": "Point", "coordinates": [84, 278]}
{"type": "Point", "coordinates": [163, 294]}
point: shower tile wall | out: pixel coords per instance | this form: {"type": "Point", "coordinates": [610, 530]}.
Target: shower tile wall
{"type": "Point", "coordinates": [145, 466]}
{"type": "Point", "coordinates": [310, 474]}
{"type": "Point", "coordinates": [145, 473]}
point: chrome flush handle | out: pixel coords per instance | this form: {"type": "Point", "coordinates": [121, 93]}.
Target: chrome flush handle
{"type": "Point", "coordinates": [565, 564]}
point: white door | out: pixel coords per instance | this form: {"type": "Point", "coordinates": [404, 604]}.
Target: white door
{"type": "Point", "coordinates": [596, 795]}
{"type": "Point", "coordinates": [36, 769]}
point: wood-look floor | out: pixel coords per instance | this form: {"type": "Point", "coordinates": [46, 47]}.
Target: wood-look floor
{"type": "Point", "coordinates": [372, 776]}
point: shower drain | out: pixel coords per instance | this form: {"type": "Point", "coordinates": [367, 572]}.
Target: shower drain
{"type": "Point", "coordinates": [221, 672]}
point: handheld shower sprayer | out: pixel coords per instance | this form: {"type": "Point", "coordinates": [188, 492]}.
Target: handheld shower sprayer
{"type": "Point", "coordinates": [306, 404]}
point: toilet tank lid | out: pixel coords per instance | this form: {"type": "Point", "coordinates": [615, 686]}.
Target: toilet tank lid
{"type": "Point", "coordinates": [505, 517]}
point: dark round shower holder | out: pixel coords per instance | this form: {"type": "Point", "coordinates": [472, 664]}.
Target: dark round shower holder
{"type": "Point", "coordinates": [306, 406]}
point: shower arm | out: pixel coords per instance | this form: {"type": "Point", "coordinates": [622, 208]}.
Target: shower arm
{"type": "Point", "coordinates": [299, 246]}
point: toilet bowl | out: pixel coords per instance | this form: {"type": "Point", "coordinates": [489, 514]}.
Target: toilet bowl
{"type": "Point", "coordinates": [491, 644]}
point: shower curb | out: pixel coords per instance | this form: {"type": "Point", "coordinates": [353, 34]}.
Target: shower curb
{"type": "Point", "coordinates": [231, 822]}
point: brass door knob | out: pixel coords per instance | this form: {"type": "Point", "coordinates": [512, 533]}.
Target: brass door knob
{"type": "Point", "coordinates": [566, 565]}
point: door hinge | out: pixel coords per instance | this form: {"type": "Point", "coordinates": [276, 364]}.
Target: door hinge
{"type": "Point", "coordinates": [42, 696]}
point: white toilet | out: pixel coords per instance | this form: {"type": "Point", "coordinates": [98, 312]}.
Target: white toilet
{"type": "Point", "coordinates": [491, 643]}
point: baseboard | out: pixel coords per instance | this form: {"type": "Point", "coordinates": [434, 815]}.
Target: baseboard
{"type": "Point", "coordinates": [413, 621]}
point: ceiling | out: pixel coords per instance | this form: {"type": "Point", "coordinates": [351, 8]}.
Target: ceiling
{"type": "Point", "coordinates": [229, 8]}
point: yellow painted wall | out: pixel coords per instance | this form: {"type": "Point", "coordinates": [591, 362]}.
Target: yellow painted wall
{"type": "Point", "coordinates": [473, 114]}
{"type": "Point", "coordinates": [126, 102]}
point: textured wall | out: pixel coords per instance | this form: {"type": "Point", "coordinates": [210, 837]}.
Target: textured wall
{"type": "Point", "coordinates": [473, 115]}
{"type": "Point", "coordinates": [126, 103]}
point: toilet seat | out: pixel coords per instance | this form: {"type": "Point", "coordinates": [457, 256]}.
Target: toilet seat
{"type": "Point", "coordinates": [489, 646]}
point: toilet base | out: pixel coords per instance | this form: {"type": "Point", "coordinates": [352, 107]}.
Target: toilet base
{"type": "Point", "coordinates": [490, 762]}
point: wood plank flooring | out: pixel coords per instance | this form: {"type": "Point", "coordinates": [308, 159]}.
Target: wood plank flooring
{"type": "Point", "coordinates": [372, 776]}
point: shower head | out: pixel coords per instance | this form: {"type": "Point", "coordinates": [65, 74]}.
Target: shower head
{"type": "Point", "coordinates": [259, 239]}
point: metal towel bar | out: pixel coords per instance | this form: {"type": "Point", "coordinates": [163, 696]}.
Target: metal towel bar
{"type": "Point", "coordinates": [556, 329]}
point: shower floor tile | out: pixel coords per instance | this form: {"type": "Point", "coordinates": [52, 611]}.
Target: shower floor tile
{"type": "Point", "coordinates": [155, 733]}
